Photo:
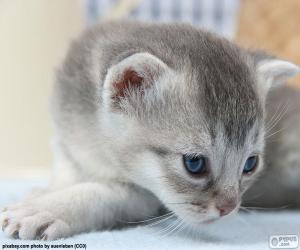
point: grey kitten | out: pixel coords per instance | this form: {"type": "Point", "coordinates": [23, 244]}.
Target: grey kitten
{"type": "Point", "coordinates": [147, 115]}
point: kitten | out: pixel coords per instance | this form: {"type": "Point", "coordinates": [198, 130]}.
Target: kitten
{"type": "Point", "coordinates": [149, 115]}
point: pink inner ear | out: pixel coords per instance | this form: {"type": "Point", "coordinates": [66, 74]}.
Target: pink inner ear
{"type": "Point", "coordinates": [129, 78]}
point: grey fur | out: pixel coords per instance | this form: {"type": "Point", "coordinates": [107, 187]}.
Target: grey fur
{"type": "Point", "coordinates": [220, 79]}
{"type": "Point", "coordinates": [119, 158]}
{"type": "Point", "coordinates": [279, 185]}
{"type": "Point", "coordinates": [222, 96]}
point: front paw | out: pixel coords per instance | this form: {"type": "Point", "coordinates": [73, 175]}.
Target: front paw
{"type": "Point", "coordinates": [31, 223]}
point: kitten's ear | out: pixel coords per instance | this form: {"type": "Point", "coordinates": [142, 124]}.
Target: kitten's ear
{"type": "Point", "coordinates": [131, 77]}
{"type": "Point", "coordinates": [273, 72]}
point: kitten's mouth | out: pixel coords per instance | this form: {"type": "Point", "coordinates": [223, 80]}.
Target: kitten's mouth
{"type": "Point", "coordinates": [203, 214]}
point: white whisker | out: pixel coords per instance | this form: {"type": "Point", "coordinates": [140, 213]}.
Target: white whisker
{"type": "Point", "coordinates": [169, 228]}
{"type": "Point", "coordinates": [275, 133]}
{"type": "Point", "coordinates": [161, 220]}
{"type": "Point", "coordinates": [274, 121]}
{"type": "Point", "coordinates": [180, 222]}
{"type": "Point", "coordinates": [149, 220]}
{"type": "Point", "coordinates": [276, 113]}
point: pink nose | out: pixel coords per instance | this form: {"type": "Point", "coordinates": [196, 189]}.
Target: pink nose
{"type": "Point", "coordinates": [226, 207]}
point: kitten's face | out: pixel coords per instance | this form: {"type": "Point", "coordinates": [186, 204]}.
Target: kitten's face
{"type": "Point", "coordinates": [197, 162]}
{"type": "Point", "coordinates": [200, 179]}
{"type": "Point", "coordinates": [194, 138]}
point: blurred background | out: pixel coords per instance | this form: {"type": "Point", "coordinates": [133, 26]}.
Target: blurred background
{"type": "Point", "coordinates": [35, 35]}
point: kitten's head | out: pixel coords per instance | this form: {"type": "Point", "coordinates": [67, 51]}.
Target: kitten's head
{"type": "Point", "coordinates": [192, 132]}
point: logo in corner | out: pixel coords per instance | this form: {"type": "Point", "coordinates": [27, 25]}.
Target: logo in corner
{"type": "Point", "coordinates": [288, 241]}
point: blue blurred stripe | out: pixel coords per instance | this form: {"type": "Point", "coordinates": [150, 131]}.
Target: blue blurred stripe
{"type": "Point", "coordinates": [93, 9]}
{"type": "Point", "coordinates": [176, 10]}
{"type": "Point", "coordinates": [197, 11]}
{"type": "Point", "coordinates": [155, 9]}
{"type": "Point", "coordinates": [217, 15]}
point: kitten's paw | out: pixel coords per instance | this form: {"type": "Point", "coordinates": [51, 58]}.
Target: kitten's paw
{"type": "Point", "coordinates": [29, 223]}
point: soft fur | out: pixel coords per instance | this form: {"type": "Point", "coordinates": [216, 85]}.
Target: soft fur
{"type": "Point", "coordinates": [129, 101]}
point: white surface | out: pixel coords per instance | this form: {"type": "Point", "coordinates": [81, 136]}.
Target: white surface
{"type": "Point", "coordinates": [245, 231]}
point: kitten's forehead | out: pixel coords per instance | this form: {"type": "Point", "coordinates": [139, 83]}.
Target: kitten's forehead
{"type": "Point", "coordinates": [212, 84]}
{"type": "Point", "coordinates": [234, 106]}
{"type": "Point", "coordinates": [227, 94]}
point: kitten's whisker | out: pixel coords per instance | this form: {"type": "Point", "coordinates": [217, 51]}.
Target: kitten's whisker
{"type": "Point", "coordinates": [148, 220]}
{"type": "Point", "coordinates": [279, 116]}
{"type": "Point", "coordinates": [177, 203]}
{"type": "Point", "coordinates": [278, 112]}
{"type": "Point", "coordinates": [180, 222]}
{"type": "Point", "coordinates": [182, 227]}
{"type": "Point", "coordinates": [164, 228]}
{"type": "Point", "coordinates": [245, 209]}
{"type": "Point", "coordinates": [265, 208]}
{"type": "Point", "coordinates": [276, 132]}
{"type": "Point", "coordinates": [169, 228]}
{"type": "Point", "coordinates": [161, 220]}
{"type": "Point", "coordinates": [278, 119]}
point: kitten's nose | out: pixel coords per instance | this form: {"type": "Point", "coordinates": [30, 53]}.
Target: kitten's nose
{"type": "Point", "coordinates": [226, 206]}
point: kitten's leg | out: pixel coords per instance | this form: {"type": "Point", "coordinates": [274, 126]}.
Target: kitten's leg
{"type": "Point", "coordinates": [79, 208]}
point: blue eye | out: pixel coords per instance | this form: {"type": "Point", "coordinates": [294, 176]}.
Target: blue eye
{"type": "Point", "coordinates": [195, 165]}
{"type": "Point", "coordinates": [250, 164]}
